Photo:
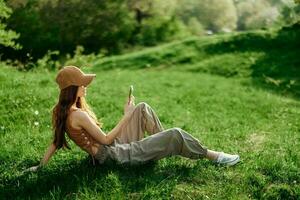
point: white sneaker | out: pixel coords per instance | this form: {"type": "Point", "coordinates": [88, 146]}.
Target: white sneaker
{"type": "Point", "coordinates": [227, 159]}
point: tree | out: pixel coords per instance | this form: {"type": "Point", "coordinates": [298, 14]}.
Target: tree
{"type": "Point", "coordinates": [256, 14]}
{"type": "Point", "coordinates": [155, 21]}
{"type": "Point", "coordinates": [7, 37]}
{"type": "Point", "coordinates": [290, 11]}
{"type": "Point", "coordinates": [62, 25]}
{"type": "Point", "coordinates": [214, 15]}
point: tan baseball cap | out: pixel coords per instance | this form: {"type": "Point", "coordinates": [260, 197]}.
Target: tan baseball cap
{"type": "Point", "coordinates": [72, 75]}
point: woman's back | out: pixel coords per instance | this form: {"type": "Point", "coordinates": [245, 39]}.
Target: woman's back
{"type": "Point", "coordinates": [79, 135]}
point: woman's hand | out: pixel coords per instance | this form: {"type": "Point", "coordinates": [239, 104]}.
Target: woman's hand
{"type": "Point", "coordinates": [50, 151]}
{"type": "Point", "coordinates": [129, 105]}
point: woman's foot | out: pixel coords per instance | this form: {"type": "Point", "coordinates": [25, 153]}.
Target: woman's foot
{"type": "Point", "coordinates": [227, 159]}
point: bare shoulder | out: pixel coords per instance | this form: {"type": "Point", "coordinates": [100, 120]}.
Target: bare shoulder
{"type": "Point", "coordinates": [81, 118]}
{"type": "Point", "coordinates": [78, 115]}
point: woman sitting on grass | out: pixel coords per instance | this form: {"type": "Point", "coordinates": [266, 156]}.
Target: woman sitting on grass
{"type": "Point", "coordinates": [125, 143]}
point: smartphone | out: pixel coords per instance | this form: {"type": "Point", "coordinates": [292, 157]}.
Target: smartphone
{"type": "Point", "coordinates": [130, 91]}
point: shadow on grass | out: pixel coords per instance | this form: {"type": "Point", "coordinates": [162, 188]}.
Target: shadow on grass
{"type": "Point", "coordinates": [279, 67]}
{"type": "Point", "coordinates": [76, 177]}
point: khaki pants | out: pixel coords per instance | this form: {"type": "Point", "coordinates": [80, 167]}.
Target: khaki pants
{"type": "Point", "coordinates": [131, 147]}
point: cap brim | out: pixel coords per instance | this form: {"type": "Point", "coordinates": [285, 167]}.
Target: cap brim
{"type": "Point", "coordinates": [87, 79]}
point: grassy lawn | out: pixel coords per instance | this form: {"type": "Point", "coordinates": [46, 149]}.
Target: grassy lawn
{"type": "Point", "coordinates": [229, 112]}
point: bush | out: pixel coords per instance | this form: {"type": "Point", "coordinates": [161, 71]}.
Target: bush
{"type": "Point", "coordinates": [79, 59]}
{"type": "Point", "coordinates": [48, 61]}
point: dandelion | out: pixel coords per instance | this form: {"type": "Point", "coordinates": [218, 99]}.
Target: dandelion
{"type": "Point", "coordinates": [36, 123]}
{"type": "Point", "coordinates": [36, 112]}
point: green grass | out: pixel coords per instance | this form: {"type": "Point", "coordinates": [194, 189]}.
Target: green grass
{"type": "Point", "coordinates": [269, 58]}
{"type": "Point", "coordinates": [232, 112]}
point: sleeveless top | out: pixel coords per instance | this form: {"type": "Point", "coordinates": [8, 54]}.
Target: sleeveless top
{"type": "Point", "coordinates": [81, 137]}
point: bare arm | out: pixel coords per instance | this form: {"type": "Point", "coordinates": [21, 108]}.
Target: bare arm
{"type": "Point", "coordinates": [50, 151]}
{"type": "Point", "coordinates": [90, 126]}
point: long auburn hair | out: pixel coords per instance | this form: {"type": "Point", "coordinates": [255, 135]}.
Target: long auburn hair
{"type": "Point", "coordinates": [67, 98]}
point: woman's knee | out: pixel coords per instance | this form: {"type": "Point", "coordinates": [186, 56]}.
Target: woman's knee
{"type": "Point", "coordinates": [142, 105]}
{"type": "Point", "coordinates": [176, 129]}
{"type": "Point", "coordinates": [175, 132]}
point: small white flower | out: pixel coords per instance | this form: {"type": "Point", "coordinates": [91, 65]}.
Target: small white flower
{"type": "Point", "coordinates": [2, 127]}
{"type": "Point", "coordinates": [209, 32]}
{"type": "Point", "coordinates": [36, 112]}
{"type": "Point", "coordinates": [36, 123]}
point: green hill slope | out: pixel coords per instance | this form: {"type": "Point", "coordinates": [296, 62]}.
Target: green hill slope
{"type": "Point", "coordinates": [269, 58]}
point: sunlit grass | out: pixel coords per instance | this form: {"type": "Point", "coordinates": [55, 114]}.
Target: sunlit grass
{"type": "Point", "coordinates": [224, 114]}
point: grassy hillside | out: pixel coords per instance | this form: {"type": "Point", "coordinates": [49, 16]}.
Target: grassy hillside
{"type": "Point", "coordinates": [269, 58]}
{"type": "Point", "coordinates": [215, 88]}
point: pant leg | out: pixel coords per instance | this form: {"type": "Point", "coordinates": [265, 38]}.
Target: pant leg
{"type": "Point", "coordinates": [142, 119]}
{"type": "Point", "coordinates": [174, 141]}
